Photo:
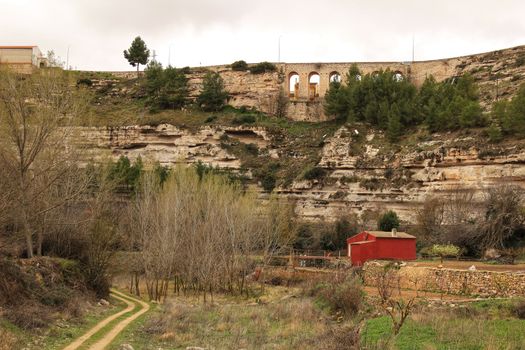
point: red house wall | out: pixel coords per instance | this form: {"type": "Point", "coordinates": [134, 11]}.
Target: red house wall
{"type": "Point", "coordinates": [395, 248]}
{"type": "Point", "coordinates": [362, 252]}
{"type": "Point", "coordinates": [380, 248]}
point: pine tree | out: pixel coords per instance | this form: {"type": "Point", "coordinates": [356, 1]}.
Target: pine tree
{"type": "Point", "coordinates": [213, 96]}
{"type": "Point", "coordinates": [395, 128]}
{"type": "Point", "coordinates": [137, 53]}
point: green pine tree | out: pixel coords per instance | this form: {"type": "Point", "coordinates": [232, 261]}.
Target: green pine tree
{"type": "Point", "coordinates": [137, 53]}
{"type": "Point", "coordinates": [213, 96]}
{"type": "Point", "coordinates": [395, 128]}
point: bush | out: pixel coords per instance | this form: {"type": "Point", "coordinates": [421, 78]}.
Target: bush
{"type": "Point", "coordinates": [244, 119]}
{"type": "Point", "coordinates": [447, 250]}
{"type": "Point", "coordinates": [210, 119]}
{"type": "Point", "coordinates": [373, 184]}
{"type": "Point", "coordinates": [313, 173]}
{"type": "Point", "coordinates": [520, 61]}
{"type": "Point", "coordinates": [263, 67]}
{"type": "Point", "coordinates": [165, 88]}
{"type": "Point", "coordinates": [239, 66]}
{"type": "Point", "coordinates": [213, 96]}
{"type": "Point", "coordinates": [388, 221]}
{"type": "Point", "coordinates": [342, 293]}
{"type": "Point", "coordinates": [252, 148]}
{"type": "Point", "coordinates": [28, 316]}
{"type": "Point", "coordinates": [84, 81]}
{"type": "Point", "coordinates": [519, 310]}
{"type": "Point", "coordinates": [494, 133]}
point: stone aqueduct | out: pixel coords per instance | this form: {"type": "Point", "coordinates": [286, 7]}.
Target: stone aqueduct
{"type": "Point", "coordinates": [311, 80]}
{"type": "Point", "coordinates": [307, 83]}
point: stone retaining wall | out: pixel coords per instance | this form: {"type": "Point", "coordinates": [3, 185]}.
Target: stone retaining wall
{"type": "Point", "coordinates": [451, 281]}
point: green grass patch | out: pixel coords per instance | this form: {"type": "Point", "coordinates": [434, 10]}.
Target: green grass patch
{"type": "Point", "coordinates": [447, 332]}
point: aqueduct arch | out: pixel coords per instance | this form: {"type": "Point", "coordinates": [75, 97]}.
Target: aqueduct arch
{"type": "Point", "coordinates": [293, 85]}
{"type": "Point", "coordinates": [299, 88]}
{"type": "Point", "coordinates": [314, 85]}
{"type": "Point", "coordinates": [335, 77]}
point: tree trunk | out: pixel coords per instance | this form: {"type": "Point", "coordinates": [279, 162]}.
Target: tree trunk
{"type": "Point", "coordinates": [138, 65]}
{"type": "Point", "coordinates": [28, 234]}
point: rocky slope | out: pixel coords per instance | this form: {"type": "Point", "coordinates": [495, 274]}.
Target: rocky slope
{"type": "Point", "coordinates": [364, 173]}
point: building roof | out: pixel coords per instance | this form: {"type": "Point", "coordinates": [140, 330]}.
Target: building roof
{"type": "Point", "coordinates": [18, 47]}
{"type": "Point", "coordinates": [362, 242]}
{"type": "Point", "coordinates": [388, 234]}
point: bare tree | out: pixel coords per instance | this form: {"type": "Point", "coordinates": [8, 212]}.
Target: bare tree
{"type": "Point", "coordinates": [202, 232]}
{"type": "Point", "coordinates": [35, 153]}
{"type": "Point", "coordinates": [450, 218]}
{"type": "Point", "coordinates": [398, 309]}
{"type": "Point", "coordinates": [503, 214]}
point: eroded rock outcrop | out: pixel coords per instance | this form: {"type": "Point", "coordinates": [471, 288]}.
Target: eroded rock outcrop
{"type": "Point", "coordinates": [364, 172]}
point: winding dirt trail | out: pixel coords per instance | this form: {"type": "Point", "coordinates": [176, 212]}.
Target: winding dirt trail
{"type": "Point", "coordinates": [119, 327]}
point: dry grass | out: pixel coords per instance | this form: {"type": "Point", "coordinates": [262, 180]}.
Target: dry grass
{"type": "Point", "coordinates": [8, 340]}
{"type": "Point", "coordinates": [292, 323]}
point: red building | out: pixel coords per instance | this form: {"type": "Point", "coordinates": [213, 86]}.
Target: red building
{"type": "Point", "coordinates": [381, 245]}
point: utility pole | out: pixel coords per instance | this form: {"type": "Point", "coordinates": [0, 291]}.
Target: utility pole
{"type": "Point", "coordinates": [279, 50]}
{"type": "Point", "coordinates": [413, 48]}
{"type": "Point", "coordinates": [169, 56]}
{"type": "Point", "coordinates": [67, 57]}
{"type": "Point", "coordinates": [154, 56]}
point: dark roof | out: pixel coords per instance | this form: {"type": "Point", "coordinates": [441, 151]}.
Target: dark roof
{"type": "Point", "coordinates": [388, 234]}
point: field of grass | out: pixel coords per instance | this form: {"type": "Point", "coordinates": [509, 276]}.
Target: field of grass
{"type": "Point", "coordinates": [59, 334]}
{"type": "Point", "coordinates": [481, 325]}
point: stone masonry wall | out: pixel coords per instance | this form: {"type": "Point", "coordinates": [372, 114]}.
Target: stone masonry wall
{"type": "Point", "coordinates": [452, 281]}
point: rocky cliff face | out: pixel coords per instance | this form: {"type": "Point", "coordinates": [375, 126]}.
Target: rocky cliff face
{"type": "Point", "coordinates": [168, 144]}
{"type": "Point", "coordinates": [365, 174]}
{"type": "Point", "coordinates": [377, 178]}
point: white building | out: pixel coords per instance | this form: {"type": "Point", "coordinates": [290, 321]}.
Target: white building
{"type": "Point", "coordinates": [22, 59]}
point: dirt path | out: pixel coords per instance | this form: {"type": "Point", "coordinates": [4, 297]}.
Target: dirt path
{"type": "Point", "coordinates": [112, 334]}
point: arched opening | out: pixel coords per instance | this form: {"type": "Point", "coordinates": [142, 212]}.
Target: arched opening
{"type": "Point", "coordinates": [314, 79]}
{"type": "Point", "coordinates": [398, 76]}
{"type": "Point", "coordinates": [335, 77]}
{"type": "Point", "coordinates": [293, 85]}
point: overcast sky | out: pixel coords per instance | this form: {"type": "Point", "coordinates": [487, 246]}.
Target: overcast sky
{"type": "Point", "coordinates": [206, 32]}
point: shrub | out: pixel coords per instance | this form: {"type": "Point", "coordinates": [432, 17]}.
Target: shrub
{"type": "Point", "coordinates": [342, 293]}
{"type": "Point", "coordinates": [313, 173]}
{"type": "Point", "coordinates": [494, 133]}
{"type": "Point", "coordinates": [520, 61]}
{"type": "Point", "coordinates": [268, 181]}
{"type": "Point", "coordinates": [388, 221]}
{"type": "Point", "coordinates": [28, 316]}
{"type": "Point", "coordinates": [210, 119]}
{"type": "Point", "coordinates": [446, 250]}
{"type": "Point", "coordinates": [519, 310]}
{"type": "Point", "coordinates": [213, 96]}
{"type": "Point", "coordinates": [239, 66]}
{"type": "Point", "coordinates": [244, 119]}
{"type": "Point", "coordinates": [263, 67]}
{"type": "Point", "coordinates": [373, 184]}
{"type": "Point", "coordinates": [165, 88]}
{"type": "Point", "coordinates": [84, 81]}
{"type": "Point", "coordinates": [252, 148]}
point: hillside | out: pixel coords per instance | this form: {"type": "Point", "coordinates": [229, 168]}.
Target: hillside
{"type": "Point", "coordinates": [329, 168]}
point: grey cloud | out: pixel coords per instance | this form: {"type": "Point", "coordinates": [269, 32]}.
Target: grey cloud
{"type": "Point", "coordinates": [219, 31]}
